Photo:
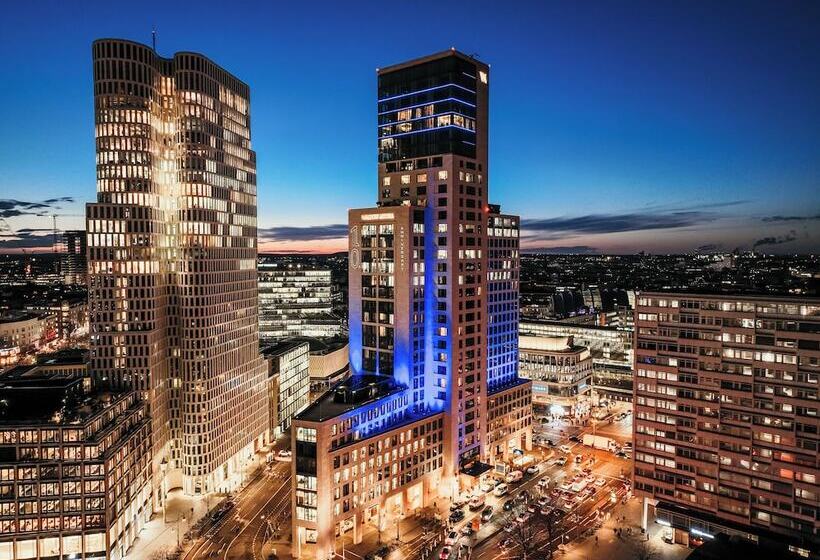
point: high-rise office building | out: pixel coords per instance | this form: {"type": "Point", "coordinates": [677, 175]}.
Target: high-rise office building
{"type": "Point", "coordinates": [295, 300]}
{"type": "Point", "coordinates": [73, 263]}
{"type": "Point", "coordinates": [433, 319]}
{"type": "Point", "coordinates": [726, 416]}
{"type": "Point", "coordinates": [172, 258]}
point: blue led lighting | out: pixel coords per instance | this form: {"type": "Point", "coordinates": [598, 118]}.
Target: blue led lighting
{"type": "Point", "coordinates": [426, 117]}
{"type": "Point", "coordinates": [428, 103]}
{"type": "Point", "coordinates": [426, 130]}
{"type": "Point", "coordinates": [424, 91]}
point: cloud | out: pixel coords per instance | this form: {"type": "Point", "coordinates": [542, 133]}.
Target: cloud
{"type": "Point", "coordinates": [617, 223]}
{"type": "Point", "coordinates": [309, 233]}
{"type": "Point", "coordinates": [779, 240]}
{"type": "Point", "coordinates": [27, 239]}
{"type": "Point", "coordinates": [780, 219]}
{"type": "Point", "coordinates": [709, 248]}
{"type": "Point", "coordinates": [11, 208]}
{"type": "Point", "coordinates": [566, 250]}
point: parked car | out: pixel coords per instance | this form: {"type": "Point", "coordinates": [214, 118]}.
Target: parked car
{"type": "Point", "coordinates": [508, 505]}
{"type": "Point", "coordinates": [476, 502]}
{"type": "Point", "coordinates": [532, 469]}
{"type": "Point", "coordinates": [457, 516]}
{"type": "Point", "coordinates": [467, 530]}
{"type": "Point", "coordinates": [574, 438]}
{"type": "Point", "coordinates": [544, 482]}
{"type": "Point", "coordinates": [500, 490]}
{"type": "Point", "coordinates": [445, 553]}
{"type": "Point", "coordinates": [565, 448]}
{"type": "Point", "coordinates": [561, 461]}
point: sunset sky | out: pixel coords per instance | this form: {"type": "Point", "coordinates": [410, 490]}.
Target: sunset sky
{"type": "Point", "coordinates": [615, 127]}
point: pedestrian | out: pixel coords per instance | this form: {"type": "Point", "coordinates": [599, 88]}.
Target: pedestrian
{"type": "Point", "coordinates": [596, 540]}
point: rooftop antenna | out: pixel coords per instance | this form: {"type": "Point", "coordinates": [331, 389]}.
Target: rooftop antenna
{"type": "Point", "coordinates": [154, 38]}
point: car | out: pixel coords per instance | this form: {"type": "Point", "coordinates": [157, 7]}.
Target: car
{"type": "Point", "coordinates": [487, 485]}
{"type": "Point", "coordinates": [600, 481]}
{"type": "Point", "coordinates": [507, 543]}
{"type": "Point", "coordinates": [451, 539]}
{"type": "Point", "coordinates": [578, 459]}
{"type": "Point", "coordinates": [561, 461]}
{"type": "Point", "coordinates": [576, 439]}
{"type": "Point", "coordinates": [508, 505]}
{"type": "Point", "coordinates": [565, 448]}
{"type": "Point", "coordinates": [523, 518]}
{"type": "Point", "coordinates": [622, 455]}
{"type": "Point", "coordinates": [445, 553]}
{"type": "Point", "coordinates": [695, 541]}
{"type": "Point", "coordinates": [514, 476]}
{"type": "Point", "coordinates": [550, 443]}
{"type": "Point", "coordinates": [566, 485]}
{"type": "Point", "coordinates": [546, 510]}
{"type": "Point", "coordinates": [467, 530]}
{"type": "Point", "coordinates": [487, 513]}
{"type": "Point", "coordinates": [457, 516]}
{"type": "Point", "coordinates": [509, 527]}
{"type": "Point", "coordinates": [460, 502]}
{"type": "Point", "coordinates": [501, 490]}
{"type": "Point", "coordinates": [544, 482]}
{"type": "Point", "coordinates": [543, 501]}
{"type": "Point", "coordinates": [532, 469]}
{"type": "Point", "coordinates": [532, 508]}
{"type": "Point", "coordinates": [476, 502]}
{"type": "Point", "coordinates": [628, 445]}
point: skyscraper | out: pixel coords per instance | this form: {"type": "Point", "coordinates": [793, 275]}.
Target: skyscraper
{"type": "Point", "coordinates": [172, 258]}
{"type": "Point", "coordinates": [433, 319]}
{"type": "Point", "coordinates": [73, 263]}
{"type": "Point", "coordinates": [726, 416]}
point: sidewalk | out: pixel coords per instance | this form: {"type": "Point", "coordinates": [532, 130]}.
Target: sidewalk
{"type": "Point", "coordinates": [613, 547]}
{"type": "Point", "coordinates": [167, 528]}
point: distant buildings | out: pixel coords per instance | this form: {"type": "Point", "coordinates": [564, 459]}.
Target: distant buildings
{"type": "Point", "coordinates": [610, 349]}
{"type": "Point", "coordinates": [288, 382]}
{"type": "Point", "coordinates": [74, 466]}
{"type": "Point", "coordinates": [73, 264]}
{"type": "Point", "coordinates": [434, 400]}
{"type": "Point", "coordinates": [295, 301]}
{"type": "Point", "coordinates": [560, 370]}
{"type": "Point", "coordinates": [172, 260]}
{"type": "Point", "coordinates": [726, 424]}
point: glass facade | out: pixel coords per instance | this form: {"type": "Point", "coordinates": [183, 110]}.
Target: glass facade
{"type": "Point", "coordinates": [428, 109]}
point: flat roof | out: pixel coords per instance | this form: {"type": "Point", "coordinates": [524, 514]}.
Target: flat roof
{"type": "Point", "coordinates": [326, 406]}
{"type": "Point", "coordinates": [430, 57]}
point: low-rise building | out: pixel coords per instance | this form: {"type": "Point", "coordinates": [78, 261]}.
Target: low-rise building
{"type": "Point", "coordinates": [74, 467]}
{"type": "Point", "coordinates": [560, 370]}
{"type": "Point", "coordinates": [288, 382]}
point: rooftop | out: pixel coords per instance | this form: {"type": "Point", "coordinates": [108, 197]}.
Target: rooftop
{"type": "Point", "coordinates": [348, 395]}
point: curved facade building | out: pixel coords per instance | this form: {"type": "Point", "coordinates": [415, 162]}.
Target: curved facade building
{"type": "Point", "coordinates": [172, 258]}
{"type": "Point", "coordinates": [561, 371]}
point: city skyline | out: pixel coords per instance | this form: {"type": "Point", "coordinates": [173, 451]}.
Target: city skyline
{"type": "Point", "coordinates": [690, 145]}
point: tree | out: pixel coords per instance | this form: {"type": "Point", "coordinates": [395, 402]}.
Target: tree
{"type": "Point", "coordinates": [524, 534]}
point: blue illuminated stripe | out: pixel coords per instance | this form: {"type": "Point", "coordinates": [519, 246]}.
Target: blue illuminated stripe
{"type": "Point", "coordinates": [426, 130]}
{"type": "Point", "coordinates": [424, 91]}
{"type": "Point", "coordinates": [426, 117]}
{"type": "Point", "coordinates": [428, 103]}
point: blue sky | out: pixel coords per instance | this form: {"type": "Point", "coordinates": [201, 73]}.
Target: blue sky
{"type": "Point", "coordinates": [615, 126]}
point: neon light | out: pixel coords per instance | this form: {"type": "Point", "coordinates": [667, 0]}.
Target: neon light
{"type": "Point", "coordinates": [663, 522]}
{"type": "Point", "coordinates": [426, 130]}
{"type": "Point", "coordinates": [701, 533]}
{"type": "Point", "coordinates": [427, 117]}
{"type": "Point", "coordinates": [424, 91]}
{"type": "Point", "coordinates": [428, 103]}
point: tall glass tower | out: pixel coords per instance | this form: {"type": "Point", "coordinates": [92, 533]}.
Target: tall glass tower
{"type": "Point", "coordinates": [172, 258]}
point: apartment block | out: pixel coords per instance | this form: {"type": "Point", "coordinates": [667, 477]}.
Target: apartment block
{"type": "Point", "coordinates": [726, 426]}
